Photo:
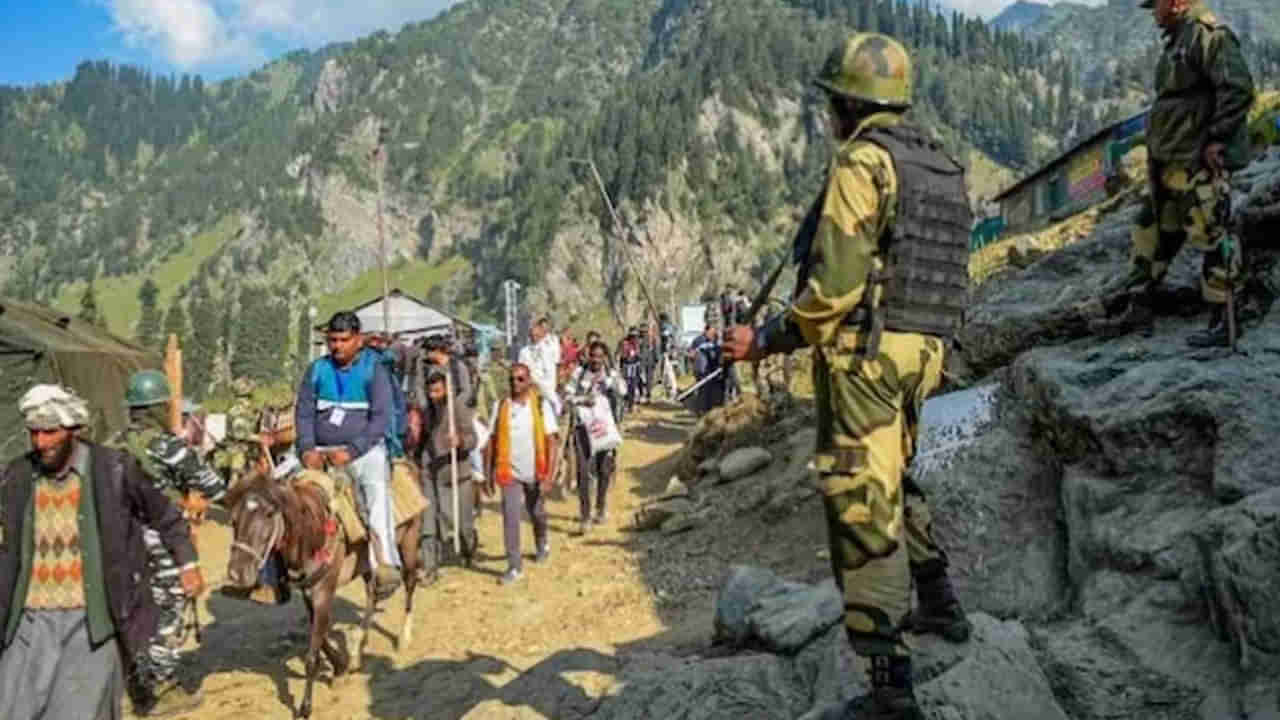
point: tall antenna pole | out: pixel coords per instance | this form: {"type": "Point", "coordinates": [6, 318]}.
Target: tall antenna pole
{"type": "Point", "coordinates": [380, 165]}
{"type": "Point", "coordinates": [509, 290]}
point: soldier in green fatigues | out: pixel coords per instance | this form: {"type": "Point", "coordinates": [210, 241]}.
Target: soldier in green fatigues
{"type": "Point", "coordinates": [883, 282]}
{"type": "Point", "coordinates": [172, 465]}
{"type": "Point", "coordinates": [242, 443]}
{"type": "Point", "coordinates": [1196, 135]}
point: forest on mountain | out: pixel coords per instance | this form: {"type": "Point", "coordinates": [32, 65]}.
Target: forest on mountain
{"type": "Point", "coordinates": [241, 197]}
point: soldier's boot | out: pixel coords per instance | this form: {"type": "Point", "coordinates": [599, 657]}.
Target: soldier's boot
{"type": "Point", "coordinates": [1138, 315]}
{"type": "Point", "coordinates": [939, 610]}
{"type": "Point", "coordinates": [892, 695]}
{"type": "Point", "coordinates": [1218, 333]}
{"type": "Point", "coordinates": [171, 700]}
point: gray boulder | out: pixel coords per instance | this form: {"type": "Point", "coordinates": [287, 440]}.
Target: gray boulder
{"type": "Point", "coordinates": [743, 462]}
{"type": "Point", "coordinates": [756, 608]}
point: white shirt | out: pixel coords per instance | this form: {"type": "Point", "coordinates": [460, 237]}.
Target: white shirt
{"type": "Point", "coordinates": [523, 453]}
{"type": "Point", "coordinates": [542, 358]}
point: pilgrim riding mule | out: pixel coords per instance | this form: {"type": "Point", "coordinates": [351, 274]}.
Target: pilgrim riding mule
{"type": "Point", "coordinates": [294, 518]}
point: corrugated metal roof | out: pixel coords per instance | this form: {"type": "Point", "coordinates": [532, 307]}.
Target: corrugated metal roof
{"type": "Point", "coordinates": [1054, 163]}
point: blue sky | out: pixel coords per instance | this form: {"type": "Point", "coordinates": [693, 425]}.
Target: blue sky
{"type": "Point", "coordinates": [42, 40]}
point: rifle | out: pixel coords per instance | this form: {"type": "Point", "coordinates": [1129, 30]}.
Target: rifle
{"type": "Point", "coordinates": [758, 302]}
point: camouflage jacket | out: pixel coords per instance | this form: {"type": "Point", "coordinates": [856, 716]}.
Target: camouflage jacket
{"type": "Point", "coordinates": [1203, 92]}
{"type": "Point", "coordinates": [858, 205]}
{"type": "Point", "coordinates": [242, 421]}
{"type": "Point", "coordinates": [169, 461]}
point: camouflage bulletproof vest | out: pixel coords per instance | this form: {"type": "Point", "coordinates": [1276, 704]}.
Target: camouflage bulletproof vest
{"type": "Point", "coordinates": [925, 280]}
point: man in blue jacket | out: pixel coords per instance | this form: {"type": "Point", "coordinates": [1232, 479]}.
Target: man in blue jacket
{"type": "Point", "coordinates": [343, 415]}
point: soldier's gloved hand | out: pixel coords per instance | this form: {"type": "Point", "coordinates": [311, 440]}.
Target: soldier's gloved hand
{"type": "Point", "coordinates": [740, 344]}
{"type": "Point", "coordinates": [192, 582]}
{"type": "Point", "coordinates": [313, 460]}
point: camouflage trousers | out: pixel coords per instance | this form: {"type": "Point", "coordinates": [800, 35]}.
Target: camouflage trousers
{"type": "Point", "coordinates": [158, 663]}
{"type": "Point", "coordinates": [879, 529]}
{"type": "Point", "coordinates": [1186, 206]}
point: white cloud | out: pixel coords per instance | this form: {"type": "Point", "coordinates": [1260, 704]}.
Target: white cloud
{"type": "Point", "coordinates": [195, 33]}
{"type": "Point", "coordinates": [991, 8]}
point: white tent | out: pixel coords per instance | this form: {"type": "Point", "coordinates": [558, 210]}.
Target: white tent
{"type": "Point", "coordinates": [409, 317]}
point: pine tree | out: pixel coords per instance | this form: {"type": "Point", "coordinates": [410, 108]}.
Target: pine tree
{"type": "Point", "coordinates": [89, 311]}
{"type": "Point", "coordinates": [302, 353]}
{"type": "Point", "coordinates": [205, 328]}
{"type": "Point", "coordinates": [149, 322]}
{"type": "Point", "coordinates": [175, 322]}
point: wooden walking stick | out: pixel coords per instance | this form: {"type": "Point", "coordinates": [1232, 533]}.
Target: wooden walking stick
{"type": "Point", "coordinates": [453, 460]}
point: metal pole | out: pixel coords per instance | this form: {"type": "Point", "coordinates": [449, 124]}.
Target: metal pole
{"type": "Point", "coordinates": [619, 227]}
{"type": "Point", "coordinates": [379, 162]}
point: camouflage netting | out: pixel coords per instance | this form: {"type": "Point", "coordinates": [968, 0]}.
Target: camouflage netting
{"type": "Point", "coordinates": [748, 421]}
{"type": "Point", "coordinates": [42, 345]}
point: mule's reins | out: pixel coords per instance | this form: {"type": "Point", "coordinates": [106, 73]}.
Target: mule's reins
{"type": "Point", "coordinates": [303, 580]}
{"type": "Point", "coordinates": [277, 532]}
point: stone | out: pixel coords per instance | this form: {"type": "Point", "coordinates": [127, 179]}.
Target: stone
{"type": "Point", "coordinates": [743, 462]}
{"type": "Point", "coordinates": [674, 489]}
{"type": "Point", "coordinates": [994, 676]}
{"type": "Point", "coordinates": [756, 608]}
{"type": "Point", "coordinates": [651, 517]}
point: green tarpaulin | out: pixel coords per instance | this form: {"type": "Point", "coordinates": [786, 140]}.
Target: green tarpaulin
{"type": "Point", "coordinates": [42, 345]}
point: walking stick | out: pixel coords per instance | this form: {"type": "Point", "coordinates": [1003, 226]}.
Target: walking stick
{"type": "Point", "coordinates": [453, 461]}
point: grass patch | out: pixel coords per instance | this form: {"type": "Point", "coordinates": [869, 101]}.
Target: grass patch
{"type": "Point", "coordinates": [415, 277]}
{"type": "Point", "coordinates": [118, 296]}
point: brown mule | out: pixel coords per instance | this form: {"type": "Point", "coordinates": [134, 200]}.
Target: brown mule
{"type": "Point", "coordinates": [294, 518]}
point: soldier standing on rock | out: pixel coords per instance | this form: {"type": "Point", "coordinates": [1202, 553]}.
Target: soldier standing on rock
{"type": "Point", "coordinates": [882, 287]}
{"type": "Point", "coordinates": [170, 463]}
{"type": "Point", "coordinates": [1196, 135]}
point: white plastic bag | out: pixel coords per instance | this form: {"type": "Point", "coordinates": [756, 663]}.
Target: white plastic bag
{"type": "Point", "coordinates": [602, 431]}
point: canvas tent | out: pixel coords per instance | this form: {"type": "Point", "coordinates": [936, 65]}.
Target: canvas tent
{"type": "Point", "coordinates": [42, 345]}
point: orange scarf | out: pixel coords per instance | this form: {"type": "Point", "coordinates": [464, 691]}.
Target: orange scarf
{"type": "Point", "coordinates": [500, 445]}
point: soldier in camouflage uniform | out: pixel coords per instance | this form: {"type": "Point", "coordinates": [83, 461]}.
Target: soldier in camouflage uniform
{"type": "Point", "coordinates": [172, 465]}
{"type": "Point", "coordinates": [242, 442]}
{"type": "Point", "coordinates": [1196, 135]}
{"type": "Point", "coordinates": [883, 257]}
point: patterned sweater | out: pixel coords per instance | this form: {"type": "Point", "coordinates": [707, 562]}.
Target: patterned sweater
{"type": "Point", "coordinates": [57, 581]}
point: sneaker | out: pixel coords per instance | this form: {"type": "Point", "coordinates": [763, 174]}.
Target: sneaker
{"type": "Point", "coordinates": [510, 576]}
{"type": "Point", "coordinates": [584, 526]}
{"type": "Point", "coordinates": [879, 704]}
{"type": "Point", "coordinates": [172, 700]}
{"type": "Point", "coordinates": [543, 553]}
{"type": "Point", "coordinates": [601, 518]}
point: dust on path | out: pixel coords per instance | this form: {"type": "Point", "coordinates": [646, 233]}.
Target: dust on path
{"type": "Point", "coordinates": [543, 648]}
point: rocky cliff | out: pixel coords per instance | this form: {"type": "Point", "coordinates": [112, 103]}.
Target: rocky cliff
{"type": "Point", "coordinates": [1114, 529]}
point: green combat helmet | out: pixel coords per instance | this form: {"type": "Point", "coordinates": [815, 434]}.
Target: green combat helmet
{"type": "Point", "coordinates": [146, 388]}
{"type": "Point", "coordinates": [870, 67]}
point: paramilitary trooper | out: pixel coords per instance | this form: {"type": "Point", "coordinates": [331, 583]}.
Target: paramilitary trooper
{"type": "Point", "coordinates": [1196, 135]}
{"type": "Point", "coordinates": [883, 257]}
{"type": "Point", "coordinates": [172, 465]}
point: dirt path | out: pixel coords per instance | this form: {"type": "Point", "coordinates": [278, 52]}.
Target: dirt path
{"type": "Point", "coordinates": [545, 647]}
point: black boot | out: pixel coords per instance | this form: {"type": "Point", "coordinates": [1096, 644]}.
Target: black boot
{"type": "Point", "coordinates": [939, 611]}
{"type": "Point", "coordinates": [892, 695]}
{"type": "Point", "coordinates": [1217, 334]}
{"type": "Point", "coordinates": [1137, 314]}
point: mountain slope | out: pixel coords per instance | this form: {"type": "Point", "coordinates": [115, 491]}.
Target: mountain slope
{"type": "Point", "coordinates": [255, 198]}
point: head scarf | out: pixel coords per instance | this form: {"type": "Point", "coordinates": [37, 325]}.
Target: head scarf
{"type": "Point", "coordinates": [49, 407]}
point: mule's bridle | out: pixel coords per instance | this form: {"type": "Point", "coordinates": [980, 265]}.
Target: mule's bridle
{"type": "Point", "coordinates": [277, 531]}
